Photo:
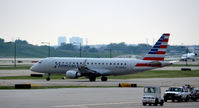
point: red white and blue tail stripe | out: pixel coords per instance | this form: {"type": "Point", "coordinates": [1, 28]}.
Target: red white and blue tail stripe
{"type": "Point", "coordinates": [157, 53]}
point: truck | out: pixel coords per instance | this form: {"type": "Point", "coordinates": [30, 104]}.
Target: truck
{"type": "Point", "coordinates": [152, 95]}
{"type": "Point", "coordinates": [177, 93]}
{"type": "Point", "coordinates": [194, 94]}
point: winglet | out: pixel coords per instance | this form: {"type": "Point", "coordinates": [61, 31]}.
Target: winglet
{"type": "Point", "coordinates": [157, 53]}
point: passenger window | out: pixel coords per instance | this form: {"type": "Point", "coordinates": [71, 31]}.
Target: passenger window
{"type": "Point", "coordinates": [110, 63]}
{"type": "Point", "coordinates": [118, 64]}
{"type": "Point", "coordinates": [113, 63]}
{"type": "Point", "coordinates": [98, 63]}
{"type": "Point", "coordinates": [121, 63]}
{"type": "Point", "coordinates": [87, 63]}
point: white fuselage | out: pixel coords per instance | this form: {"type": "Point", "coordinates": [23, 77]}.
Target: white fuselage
{"type": "Point", "coordinates": [104, 66]}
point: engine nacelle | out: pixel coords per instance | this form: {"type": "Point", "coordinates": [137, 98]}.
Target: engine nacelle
{"type": "Point", "coordinates": [72, 74]}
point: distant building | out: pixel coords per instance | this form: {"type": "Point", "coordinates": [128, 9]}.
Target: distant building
{"type": "Point", "coordinates": [61, 39]}
{"type": "Point", "coordinates": [76, 40]}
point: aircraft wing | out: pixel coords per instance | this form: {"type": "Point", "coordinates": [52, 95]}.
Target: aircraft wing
{"type": "Point", "coordinates": [101, 71]}
{"type": "Point", "coordinates": [85, 71]}
{"type": "Point", "coordinates": [93, 71]}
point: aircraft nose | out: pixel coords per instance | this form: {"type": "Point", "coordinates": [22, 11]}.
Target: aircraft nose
{"type": "Point", "coordinates": [33, 68]}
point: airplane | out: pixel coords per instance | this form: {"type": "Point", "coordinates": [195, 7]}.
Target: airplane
{"type": "Point", "coordinates": [91, 68]}
{"type": "Point", "coordinates": [187, 56]}
{"type": "Point", "coordinates": [192, 56]}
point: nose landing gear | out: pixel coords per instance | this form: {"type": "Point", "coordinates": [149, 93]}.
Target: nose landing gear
{"type": "Point", "coordinates": [48, 77]}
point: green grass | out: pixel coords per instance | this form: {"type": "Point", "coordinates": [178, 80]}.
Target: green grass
{"type": "Point", "coordinates": [147, 74]}
{"type": "Point", "coordinates": [179, 65]}
{"type": "Point", "coordinates": [53, 76]}
{"type": "Point", "coordinates": [14, 68]}
{"type": "Point", "coordinates": [6, 87]}
{"type": "Point", "coordinates": [160, 74]}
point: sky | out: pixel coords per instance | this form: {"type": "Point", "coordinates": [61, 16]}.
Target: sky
{"type": "Point", "coordinates": [100, 21]}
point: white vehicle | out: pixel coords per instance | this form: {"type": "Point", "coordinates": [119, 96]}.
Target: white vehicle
{"type": "Point", "coordinates": [176, 93]}
{"type": "Point", "coordinates": [152, 95]}
{"type": "Point", "coordinates": [95, 67]}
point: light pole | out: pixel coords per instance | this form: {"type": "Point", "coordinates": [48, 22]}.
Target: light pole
{"type": "Point", "coordinates": [80, 48]}
{"type": "Point", "coordinates": [186, 56]}
{"type": "Point", "coordinates": [48, 47]}
{"type": "Point", "coordinates": [110, 52]}
{"type": "Point", "coordinates": [15, 53]}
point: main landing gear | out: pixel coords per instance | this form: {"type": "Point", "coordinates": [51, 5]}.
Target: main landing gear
{"type": "Point", "coordinates": [93, 78]}
{"type": "Point", "coordinates": [48, 77]}
{"type": "Point", "coordinates": [103, 78]}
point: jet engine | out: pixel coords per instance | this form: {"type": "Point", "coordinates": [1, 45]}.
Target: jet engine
{"type": "Point", "coordinates": [72, 74]}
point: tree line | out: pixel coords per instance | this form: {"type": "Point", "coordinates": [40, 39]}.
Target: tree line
{"type": "Point", "coordinates": [25, 49]}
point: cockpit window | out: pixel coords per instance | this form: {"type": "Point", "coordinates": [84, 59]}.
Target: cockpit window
{"type": "Point", "coordinates": [40, 61]}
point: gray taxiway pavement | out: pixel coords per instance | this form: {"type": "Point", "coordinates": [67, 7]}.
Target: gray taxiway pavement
{"type": "Point", "coordinates": [80, 98]}
{"type": "Point", "coordinates": [164, 82]}
{"type": "Point", "coordinates": [87, 97]}
{"type": "Point", "coordinates": [27, 72]}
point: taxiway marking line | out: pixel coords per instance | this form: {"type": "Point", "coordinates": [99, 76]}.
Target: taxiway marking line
{"type": "Point", "coordinates": [96, 104]}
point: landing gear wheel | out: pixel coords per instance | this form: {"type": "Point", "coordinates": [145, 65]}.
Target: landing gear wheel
{"type": "Point", "coordinates": [161, 103]}
{"type": "Point", "coordinates": [194, 99]}
{"type": "Point", "coordinates": [103, 78]}
{"type": "Point", "coordinates": [179, 99]}
{"type": "Point", "coordinates": [92, 79]}
{"type": "Point", "coordinates": [187, 99]}
{"type": "Point", "coordinates": [144, 104]}
{"type": "Point", "coordinates": [156, 102]}
{"type": "Point", "coordinates": [48, 77]}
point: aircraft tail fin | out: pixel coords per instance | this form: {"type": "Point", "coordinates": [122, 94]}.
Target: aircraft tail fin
{"type": "Point", "coordinates": [157, 53]}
